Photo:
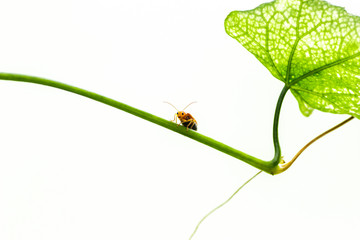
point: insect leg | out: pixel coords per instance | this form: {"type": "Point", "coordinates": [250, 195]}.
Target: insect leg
{"type": "Point", "coordinates": [191, 123]}
{"type": "Point", "coordinates": [175, 118]}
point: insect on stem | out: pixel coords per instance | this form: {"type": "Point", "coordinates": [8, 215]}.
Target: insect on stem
{"type": "Point", "coordinates": [186, 119]}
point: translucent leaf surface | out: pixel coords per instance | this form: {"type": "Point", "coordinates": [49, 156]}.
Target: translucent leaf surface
{"type": "Point", "coordinates": [312, 46]}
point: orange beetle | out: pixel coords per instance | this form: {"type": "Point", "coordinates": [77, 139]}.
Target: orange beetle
{"type": "Point", "coordinates": [186, 119]}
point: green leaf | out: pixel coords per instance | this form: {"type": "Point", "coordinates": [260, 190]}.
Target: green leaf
{"type": "Point", "coordinates": [312, 46]}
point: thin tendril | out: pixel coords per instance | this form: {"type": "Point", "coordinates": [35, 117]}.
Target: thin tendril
{"type": "Point", "coordinates": [288, 164]}
{"type": "Point", "coordinates": [207, 215]}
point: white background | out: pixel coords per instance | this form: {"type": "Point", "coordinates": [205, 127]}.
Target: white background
{"type": "Point", "coordinates": [72, 168]}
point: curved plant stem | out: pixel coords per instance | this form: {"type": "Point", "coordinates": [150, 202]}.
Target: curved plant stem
{"type": "Point", "coordinates": [266, 166]}
{"type": "Point", "coordinates": [277, 155]}
{"type": "Point", "coordinates": [285, 166]}
{"type": "Point", "coordinates": [222, 204]}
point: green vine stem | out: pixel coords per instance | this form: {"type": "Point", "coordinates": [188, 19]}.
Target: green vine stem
{"type": "Point", "coordinates": [266, 166]}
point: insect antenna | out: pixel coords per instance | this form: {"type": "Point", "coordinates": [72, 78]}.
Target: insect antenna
{"type": "Point", "coordinates": [188, 105]}
{"type": "Point", "coordinates": [171, 105]}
